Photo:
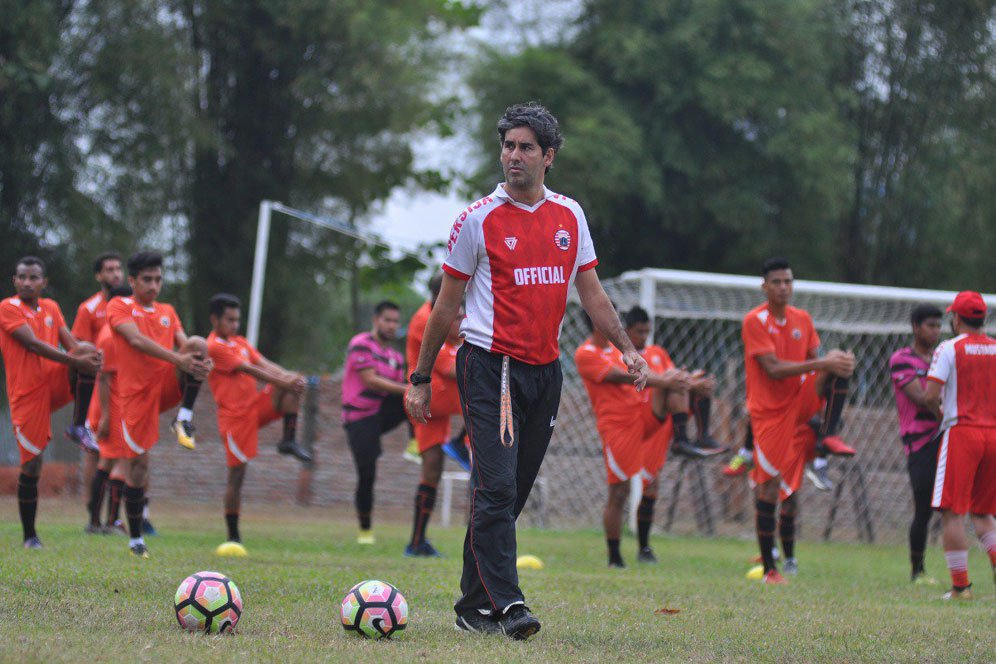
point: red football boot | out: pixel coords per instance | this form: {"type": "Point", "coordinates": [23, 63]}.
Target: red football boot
{"type": "Point", "coordinates": [836, 445]}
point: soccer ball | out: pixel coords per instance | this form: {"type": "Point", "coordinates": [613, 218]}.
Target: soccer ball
{"type": "Point", "coordinates": [208, 602]}
{"type": "Point", "coordinates": [374, 609]}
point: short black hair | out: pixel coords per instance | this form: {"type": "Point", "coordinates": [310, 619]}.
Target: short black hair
{"type": "Point", "coordinates": [124, 290]}
{"type": "Point", "coordinates": [436, 284]}
{"type": "Point", "coordinates": [384, 305]}
{"type": "Point", "coordinates": [535, 116]}
{"type": "Point", "coordinates": [772, 264]}
{"type": "Point", "coordinates": [30, 260]}
{"type": "Point", "coordinates": [98, 262]}
{"type": "Point", "coordinates": [973, 322]}
{"type": "Point", "coordinates": [922, 312]}
{"type": "Point", "coordinates": [222, 301]}
{"type": "Point", "coordinates": [636, 316]}
{"type": "Point", "coordinates": [144, 260]}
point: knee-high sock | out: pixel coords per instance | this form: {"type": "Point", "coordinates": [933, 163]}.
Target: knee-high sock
{"type": "Point", "coordinates": [82, 393]}
{"type": "Point", "coordinates": [836, 394]}
{"type": "Point", "coordinates": [232, 521]}
{"type": "Point", "coordinates": [290, 426]}
{"type": "Point", "coordinates": [958, 567]}
{"type": "Point", "coordinates": [680, 422]}
{"type": "Point", "coordinates": [114, 500]}
{"type": "Point", "coordinates": [134, 499]}
{"type": "Point", "coordinates": [766, 532]}
{"type": "Point", "coordinates": [367, 473]}
{"type": "Point", "coordinates": [27, 503]}
{"type": "Point", "coordinates": [786, 532]}
{"type": "Point", "coordinates": [97, 490]}
{"type": "Point", "coordinates": [645, 519]}
{"type": "Point", "coordinates": [989, 544]}
{"type": "Point", "coordinates": [191, 387]}
{"type": "Point", "coordinates": [702, 409]}
{"type": "Point", "coordinates": [425, 501]}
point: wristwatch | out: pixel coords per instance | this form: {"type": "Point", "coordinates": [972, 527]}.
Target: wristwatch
{"type": "Point", "coordinates": [419, 379]}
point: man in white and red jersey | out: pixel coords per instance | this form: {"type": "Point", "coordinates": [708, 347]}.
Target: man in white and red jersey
{"type": "Point", "coordinates": [91, 318]}
{"type": "Point", "coordinates": [372, 390]}
{"type": "Point", "coordinates": [40, 376]}
{"type": "Point", "coordinates": [516, 252]}
{"type": "Point", "coordinates": [965, 367]}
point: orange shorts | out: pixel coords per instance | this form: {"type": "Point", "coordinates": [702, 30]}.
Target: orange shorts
{"type": "Point", "coordinates": [32, 415]}
{"type": "Point", "coordinates": [435, 431]}
{"type": "Point", "coordinates": [140, 413]}
{"type": "Point", "coordinates": [656, 442]}
{"type": "Point", "coordinates": [622, 450]}
{"type": "Point", "coordinates": [783, 443]}
{"type": "Point", "coordinates": [113, 446]}
{"type": "Point", "coordinates": [240, 435]}
{"type": "Point", "coordinates": [966, 471]}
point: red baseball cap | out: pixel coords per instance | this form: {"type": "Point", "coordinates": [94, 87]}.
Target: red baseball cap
{"type": "Point", "coordinates": [969, 304]}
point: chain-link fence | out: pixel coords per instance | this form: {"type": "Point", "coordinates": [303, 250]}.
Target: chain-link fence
{"type": "Point", "coordinates": [697, 319]}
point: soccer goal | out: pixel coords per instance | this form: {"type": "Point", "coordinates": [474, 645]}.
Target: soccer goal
{"type": "Point", "coordinates": [697, 319]}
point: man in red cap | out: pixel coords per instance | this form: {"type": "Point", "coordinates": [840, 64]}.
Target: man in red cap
{"type": "Point", "coordinates": [965, 367]}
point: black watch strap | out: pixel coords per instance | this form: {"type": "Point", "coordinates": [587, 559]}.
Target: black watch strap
{"type": "Point", "coordinates": [419, 379]}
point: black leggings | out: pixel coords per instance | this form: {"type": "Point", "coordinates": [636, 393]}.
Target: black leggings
{"type": "Point", "coordinates": [922, 466]}
{"type": "Point", "coordinates": [364, 442]}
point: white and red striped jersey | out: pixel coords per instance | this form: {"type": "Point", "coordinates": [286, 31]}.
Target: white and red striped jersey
{"type": "Point", "coordinates": [520, 261]}
{"type": "Point", "coordinates": [966, 367]}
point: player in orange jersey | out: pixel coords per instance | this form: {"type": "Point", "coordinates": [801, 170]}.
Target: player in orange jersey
{"type": "Point", "coordinates": [104, 422]}
{"type": "Point", "coordinates": [787, 386]}
{"type": "Point", "coordinates": [91, 318]}
{"type": "Point", "coordinates": [665, 420]}
{"type": "Point", "coordinates": [431, 436]}
{"type": "Point", "coordinates": [965, 483]}
{"type": "Point", "coordinates": [158, 366]}
{"type": "Point", "coordinates": [242, 408]}
{"type": "Point", "coordinates": [618, 416]}
{"type": "Point", "coordinates": [40, 376]}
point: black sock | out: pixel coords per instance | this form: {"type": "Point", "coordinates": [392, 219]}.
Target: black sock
{"type": "Point", "coordinates": [27, 503]}
{"type": "Point", "coordinates": [916, 562]}
{"type": "Point", "coordinates": [82, 393]}
{"type": "Point", "coordinates": [644, 519]}
{"type": "Point", "coordinates": [114, 501]}
{"type": "Point", "coordinates": [749, 438]}
{"type": "Point", "coordinates": [134, 500]}
{"type": "Point", "coordinates": [766, 532]}
{"type": "Point", "coordinates": [97, 490]}
{"type": "Point", "coordinates": [232, 519]}
{"type": "Point", "coordinates": [786, 531]}
{"type": "Point", "coordinates": [364, 494]}
{"type": "Point", "coordinates": [836, 393]}
{"type": "Point", "coordinates": [615, 558]}
{"type": "Point", "coordinates": [191, 387]}
{"type": "Point", "coordinates": [680, 421]}
{"type": "Point", "coordinates": [702, 408]}
{"type": "Point", "coordinates": [425, 500]}
{"type": "Point", "coordinates": [290, 426]}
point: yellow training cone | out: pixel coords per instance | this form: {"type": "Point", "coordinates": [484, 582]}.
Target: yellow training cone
{"type": "Point", "coordinates": [231, 550]}
{"type": "Point", "coordinates": [529, 562]}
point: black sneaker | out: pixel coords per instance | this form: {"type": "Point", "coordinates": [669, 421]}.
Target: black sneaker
{"type": "Point", "coordinates": [518, 623]}
{"type": "Point", "coordinates": [711, 447]}
{"type": "Point", "coordinates": [139, 550]}
{"type": "Point", "coordinates": [646, 555]}
{"type": "Point", "coordinates": [33, 543]}
{"type": "Point", "coordinates": [422, 550]}
{"type": "Point", "coordinates": [684, 447]}
{"type": "Point", "coordinates": [617, 564]}
{"type": "Point", "coordinates": [476, 622]}
{"type": "Point", "coordinates": [291, 447]}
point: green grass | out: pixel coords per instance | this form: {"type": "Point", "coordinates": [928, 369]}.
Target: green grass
{"type": "Point", "coordinates": [84, 598]}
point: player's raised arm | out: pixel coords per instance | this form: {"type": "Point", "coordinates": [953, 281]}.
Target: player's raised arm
{"type": "Point", "coordinates": [606, 319]}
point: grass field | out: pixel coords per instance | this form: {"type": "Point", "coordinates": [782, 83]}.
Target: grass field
{"type": "Point", "coordinates": [84, 598]}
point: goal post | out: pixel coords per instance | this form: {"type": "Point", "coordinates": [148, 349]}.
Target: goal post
{"type": "Point", "coordinates": [697, 317]}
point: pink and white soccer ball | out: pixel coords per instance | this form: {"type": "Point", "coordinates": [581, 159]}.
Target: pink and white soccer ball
{"type": "Point", "coordinates": [374, 609]}
{"type": "Point", "coordinates": [208, 602]}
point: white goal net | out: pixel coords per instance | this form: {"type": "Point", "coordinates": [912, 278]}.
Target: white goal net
{"type": "Point", "coordinates": [697, 319]}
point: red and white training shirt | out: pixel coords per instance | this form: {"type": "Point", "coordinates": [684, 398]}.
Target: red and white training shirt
{"type": "Point", "coordinates": [966, 367]}
{"type": "Point", "coordinates": [520, 261]}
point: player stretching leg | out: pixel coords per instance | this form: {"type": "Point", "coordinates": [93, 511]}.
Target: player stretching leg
{"type": "Point", "coordinates": [151, 349]}
{"type": "Point", "coordinates": [372, 391]}
{"type": "Point", "coordinates": [965, 367]}
{"type": "Point", "coordinates": [91, 318]}
{"type": "Point", "coordinates": [431, 436]}
{"type": "Point", "coordinates": [40, 376]}
{"type": "Point", "coordinates": [918, 426]}
{"type": "Point", "coordinates": [104, 422]}
{"type": "Point", "coordinates": [242, 409]}
{"type": "Point", "coordinates": [785, 382]}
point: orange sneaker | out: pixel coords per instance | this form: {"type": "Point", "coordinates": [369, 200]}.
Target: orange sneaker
{"type": "Point", "coordinates": [836, 445]}
{"type": "Point", "coordinates": [774, 578]}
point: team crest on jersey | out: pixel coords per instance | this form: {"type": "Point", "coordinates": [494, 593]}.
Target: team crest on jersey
{"type": "Point", "coordinates": [562, 239]}
{"type": "Point", "coordinates": [797, 334]}
{"type": "Point", "coordinates": [164, 321]}
{"type": "Point", "coordinates": [510, 242]}
{"type": "Point", "coordinates": [48, 321]}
